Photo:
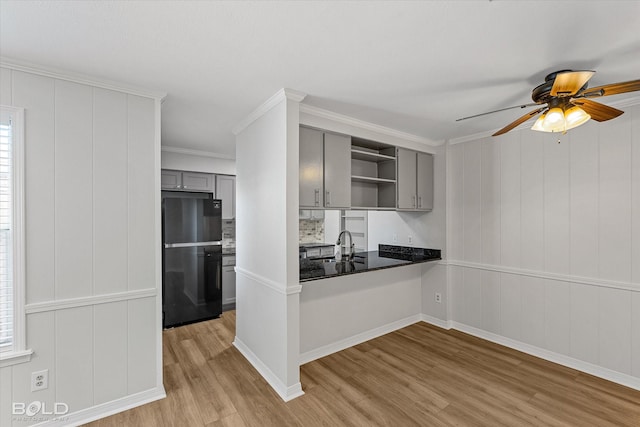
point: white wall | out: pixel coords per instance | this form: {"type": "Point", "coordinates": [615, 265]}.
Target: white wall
{"type": "Point", "coordinates": [92, 245]}
{"type": "Point", "coordinates": [545, 241]}
{"type": "Point", "coordinates": [197, 162]}
{"type": "Point", "coordinates": [267, 300]}
{"type": "Point", "coordinates": [340, 312]}
{"type": "Point", "coordinates": [331, 226]}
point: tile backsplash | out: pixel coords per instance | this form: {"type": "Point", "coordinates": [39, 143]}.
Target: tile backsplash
{"type": "Point", "coordinates": [311, 230]}
{"type": "Point", "coordinates": [228, 233]}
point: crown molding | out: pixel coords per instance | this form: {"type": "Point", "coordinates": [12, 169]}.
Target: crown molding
{"type": "Point", "coordinates": [197, 153]}
{"type": "Point", "coordinates": [622, 103]}
{"type": "Point", "coordinates": [277, 98]}
{"type": "Point", "coordinates": [473, 137]}
{"type": "Point", "coordinates": [347, 120]}
{"type": "Point", "coordinates": [59, 74]}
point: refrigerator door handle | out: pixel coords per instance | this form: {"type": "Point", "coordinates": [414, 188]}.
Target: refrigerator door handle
{"type": "Point", "coordinates": [192, 244]}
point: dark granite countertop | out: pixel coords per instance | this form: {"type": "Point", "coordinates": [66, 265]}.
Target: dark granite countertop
{"type": "Point", "coordinates": [362, 262]}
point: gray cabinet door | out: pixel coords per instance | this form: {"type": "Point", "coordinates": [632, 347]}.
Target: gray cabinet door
{"type": "Point", "coordinates": [171, 180]}
{"type": "Point", "coordinates": [196, 181]}
{"type": "Point", "coordinates": [406, 179]}
{"type": "Point", "coordinates": [311, 168]}
{"type": "Point", "coordinates": [425, 181]}
{"type": "Point", "coordinates": [226, 191]}
{"type": "Point", "coordinates": [337, 171]}
{"type": "Point", "coordinates": [228, 280]}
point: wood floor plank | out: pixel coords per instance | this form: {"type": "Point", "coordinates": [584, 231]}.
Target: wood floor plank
{"type": "Point", "coordinates": [233, 420]}
{"type": "Point", "coordinates": [323, 374]}
{"type": "Point", "coordinates": [417, 376]}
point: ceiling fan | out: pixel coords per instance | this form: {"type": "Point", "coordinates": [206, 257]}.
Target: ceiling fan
{"type": "Point", "coordinates": [565, 102]}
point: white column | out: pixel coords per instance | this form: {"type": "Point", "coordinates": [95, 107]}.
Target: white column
{"type": "Point", "coordinates": [268, 290]}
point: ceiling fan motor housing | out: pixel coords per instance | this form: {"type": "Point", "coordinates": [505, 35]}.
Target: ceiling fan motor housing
{"type": "Point", "coordinates": [542, 94]}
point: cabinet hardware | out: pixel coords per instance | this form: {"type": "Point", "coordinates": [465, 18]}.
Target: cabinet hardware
{"type": "Point", "coordinates": [317, 194]}
{"type": "Point", "coordinates": [328, 197]}
{"type": "Point", "coordinates": [419, 201]}
{"type": "Point", "coordinates": [413, 200]}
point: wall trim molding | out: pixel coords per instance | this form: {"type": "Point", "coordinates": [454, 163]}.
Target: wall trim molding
{"type": "Point", "coordinates": [284, 290]}
{"type": "Point", "coordinates": [63, 304]}
{"type": "Point", "coordinates": [103, 410]}
{"type": "Point", "coordinates": [276, 99]}
{"type": "Point", "coordinates": [15, 357]}
{"type": "Point", "coordinates": [444, 324]}
{"type": "Point", "coordinates": [59, 74]}
{"type": "Point", "coordinates": [622, 103]}
{"type": "Point", "coordinates": [286, 393]}
{"type": "Point", "coordinates": [353, 340]}
{"type": "Point", "coordinates": [628, 286]}
{"type": "Point", "coordinates": [347, 120]}
{"type": "Point", "coordinates": [196, 153]}
{"type": "Point", "coordinates": [551, 356]}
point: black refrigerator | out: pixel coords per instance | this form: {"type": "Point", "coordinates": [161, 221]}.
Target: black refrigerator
{"type": "Point", "coordinates": [191, 258]}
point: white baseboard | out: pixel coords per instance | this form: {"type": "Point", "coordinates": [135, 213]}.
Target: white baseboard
{"type": "Point", "coordinates": [589, 368]}
{"type": "Point", "coordinates": [103, 410]}
{"type": "Point", "coordinates": [357, 339]}
{"type": "Point", "coordinates": [444, 324]}
{"type": "Point", "coordinates": [287, 393]}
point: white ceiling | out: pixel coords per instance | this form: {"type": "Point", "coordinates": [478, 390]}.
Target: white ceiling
{"type": "Point", "coordinates": [410, 66]}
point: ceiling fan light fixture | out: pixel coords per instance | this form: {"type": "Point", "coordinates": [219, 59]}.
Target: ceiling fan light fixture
{"type": "Point", "coordinates": [538, 124]}
{"type": "Point", "coordinates": [575, 116]}
{"type": "Point", "coordinates": [554, 120]}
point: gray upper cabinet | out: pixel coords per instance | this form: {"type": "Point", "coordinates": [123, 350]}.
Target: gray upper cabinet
{"type": "Point", "coordinates": [344, 172]}
{"type": "Point", "coordinates": [415, 180]}
{"type": "Point", "coordinates": [337, 171]}
{"type": "Point", "coordinates": [425, 181]}
{"type": "Point", "coordinates": [325, 169]}
{"type": "Point", "coordinates": [407, 194]}
{"type": "Point", "coordinates": [171, 180]}
{"type": "Point", "coordinates": [226, 191]}
{"type": "Point", "coordinates": [196, 181]}
{"type": "Point", "coordinates": [311, 168]}
{"type": "Point", "coordinates": [187, 181]}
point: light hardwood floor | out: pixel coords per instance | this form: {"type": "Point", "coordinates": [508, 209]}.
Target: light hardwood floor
{"type": "Point", "coordinates": [420, 375]}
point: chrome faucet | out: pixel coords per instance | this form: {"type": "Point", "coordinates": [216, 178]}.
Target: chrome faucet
{"type": "Point", "coordinates": [352, 247]}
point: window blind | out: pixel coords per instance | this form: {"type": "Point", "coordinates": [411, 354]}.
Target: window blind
{"type": "Point", "coordinates": [6, 237]}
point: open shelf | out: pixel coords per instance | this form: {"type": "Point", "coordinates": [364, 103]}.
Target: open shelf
{"type": "Point", "coordinates": [369, 156]}
{"type": "Point", "coordinates": [370, 179]}
{"type": "Point", "coordinates": [373, 175]}
{"type": "Point", "coordinates": [374, 208]}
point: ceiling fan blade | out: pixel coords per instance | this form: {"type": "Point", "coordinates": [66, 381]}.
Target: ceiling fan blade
{"type": "Point", "coordinates": [496, 111]}
{"type": "Point", "coordinates": [598, 112]}
{"type": "Point", "coordinates": [522, 119]}
{"type": "Point", "coordinates": [570, 82]}
{"type": "Point", "coordinates": [612, 89]}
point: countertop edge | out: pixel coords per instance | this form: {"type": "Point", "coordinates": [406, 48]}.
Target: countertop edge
{"type": "Point", "coordinates": [351, 273]}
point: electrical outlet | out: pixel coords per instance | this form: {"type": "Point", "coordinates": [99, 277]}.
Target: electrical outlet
{"type": "Point", "coordinates": [438, 297]}
{"type": "Point", "coordinates": [39, 380]}
{"type": "Point", "coordinates": [410, 240]}
{"type": "Point", "coordinates": [395, 237]}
